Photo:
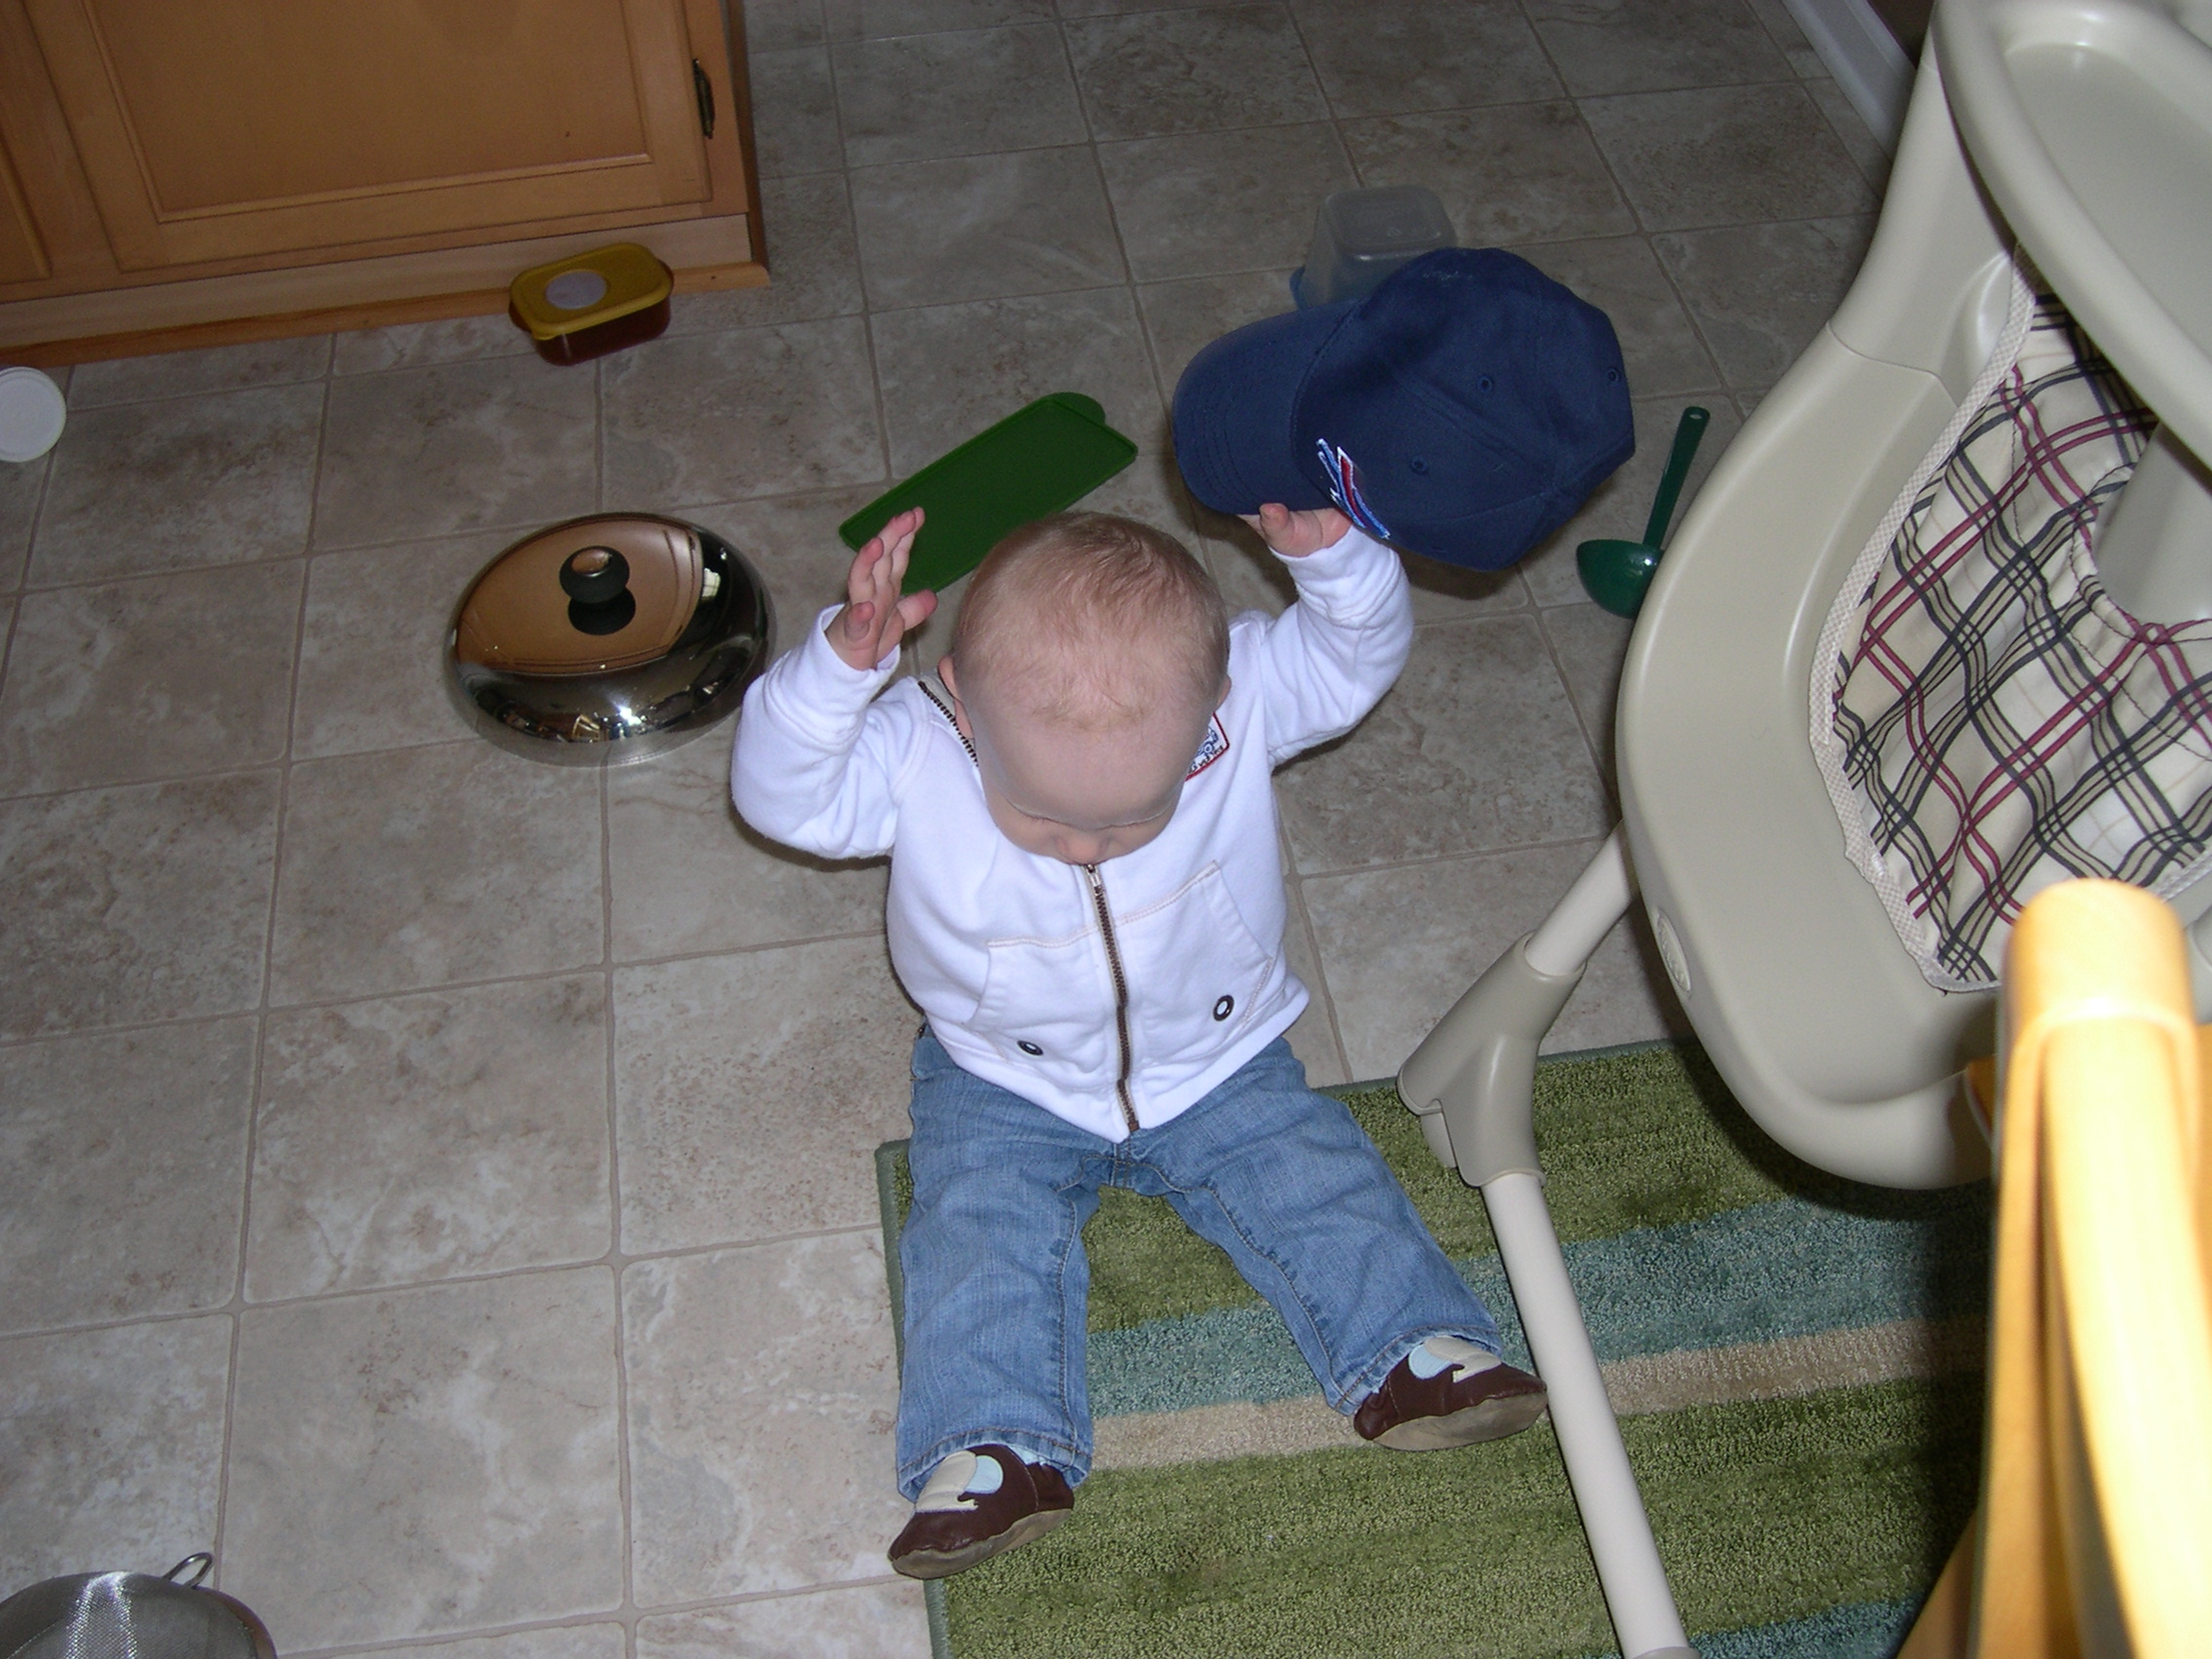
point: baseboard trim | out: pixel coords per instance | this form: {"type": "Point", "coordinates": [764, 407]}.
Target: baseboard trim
{"type": "Point", "coordinates": [1865, 58]}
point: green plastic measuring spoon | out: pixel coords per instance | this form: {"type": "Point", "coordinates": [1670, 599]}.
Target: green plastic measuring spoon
{"type": "Point", "coordinates": [1618, 574]}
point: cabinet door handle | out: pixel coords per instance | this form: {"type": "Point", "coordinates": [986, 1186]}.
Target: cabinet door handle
{"type": "Point", "coordinates": [705, 89]}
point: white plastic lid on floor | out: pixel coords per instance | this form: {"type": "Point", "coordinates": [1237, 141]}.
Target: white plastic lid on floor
{"type": "Point", "coordinates": [32, 411]}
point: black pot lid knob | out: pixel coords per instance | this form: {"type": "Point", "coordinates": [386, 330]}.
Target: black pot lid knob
{"type": "Point", "coordinates": [593, 576]}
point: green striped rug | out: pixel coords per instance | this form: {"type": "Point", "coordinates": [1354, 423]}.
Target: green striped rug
{"type": "Point", "coordinates": [1796, 1362]}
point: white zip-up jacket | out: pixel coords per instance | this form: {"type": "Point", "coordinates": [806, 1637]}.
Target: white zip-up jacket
{"type": "Point", "coordinates": [1114, 995]}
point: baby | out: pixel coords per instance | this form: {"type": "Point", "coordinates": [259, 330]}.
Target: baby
{"type": "Point", "coordinates": [1087, 901]}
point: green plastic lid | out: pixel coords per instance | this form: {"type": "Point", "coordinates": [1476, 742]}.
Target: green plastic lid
{"type": "Point", "coordinates": [1040, 459]}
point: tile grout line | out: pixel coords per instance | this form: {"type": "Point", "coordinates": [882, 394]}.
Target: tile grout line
{"type": "Point", "coordinates": [1551, 62]}
{"type": "Point", "coordinates": [867, 310]}
{"type": "Point", "coordinates": [1635, 214]}
{"type": "Point", "coordinates": [617, 1262]}
{"type": "Point", "coordinates": [132, 578]}
{"type": "Point", "coordinates": [1084, 113]}
{"type": "Point", "coordinates": [1582, 725]}
{"type": "Point", "coordinates": [153, 783]}
{"type": "Point", "coordinates": [1560, 98]}
{"type": "Point", "coordinates": [14, 603]}
{"type": "Point", "coordinates": [1643, 229]}
{"type": "Point", "coordinates": [274, 383]}
{"type": "Point", "coordinates": [235, 1341]}
{"type": "Point", "coordinates": [305, 555]}
{"type": "Point", "coordinates": [238, 1300]}
{"type": "Point", "coordinates": [1467, 855]}
{"type": "Point", "coordinates": [573, 970]}
{"type": "Point", "coordinates": [613, 1261]}
{"type": "Point", "coordinates": [583, 969]}
{"type": "Point", "coordinates": [1879, 186]}
{"type": "Point", "coordinates": [1129, 282]}
{"type": "Point", "coordinates": [586, 1620]}
{"type": "Point", "coordinates": [598, 434]}
{"type": "Point", "coordinates": [1269, 268]}
{"type": "Point", "coordinates": [1026, 23]}
{"type": "Point", "coordinates": [1689, 312]}
{"type": "Point", "coordinates": [1605, 160]}
{"type": "Point", "coordinates": [37, 524]}
{"type": "Point", "coordinates": [1334, 116]}
{"type": "Point", "coordinates": [1728, 386]}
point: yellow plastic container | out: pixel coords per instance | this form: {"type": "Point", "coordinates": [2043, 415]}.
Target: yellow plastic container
{"type": "Point", "coordinates": [591, 303]}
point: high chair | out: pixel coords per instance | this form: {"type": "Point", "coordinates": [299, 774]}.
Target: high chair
{"type": "Point", "coordinates": [2078, 129]}
{"type": "Point", "coordinates": [2095, 1535]}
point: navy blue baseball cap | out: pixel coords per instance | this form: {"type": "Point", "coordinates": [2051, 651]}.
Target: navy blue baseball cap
{"type": "Point", "coordinates": [1462, 410]}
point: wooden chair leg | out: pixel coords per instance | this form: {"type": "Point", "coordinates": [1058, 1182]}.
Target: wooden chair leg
{"type": "Point", "coordinates": [1945, 1620]}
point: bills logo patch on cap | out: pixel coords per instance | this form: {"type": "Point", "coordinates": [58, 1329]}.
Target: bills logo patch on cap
{"type": "Point", "coordinates": [1344, 485]}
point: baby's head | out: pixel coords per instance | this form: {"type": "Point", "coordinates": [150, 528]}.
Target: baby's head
{"type": "Point", "coordinates": [1089, 652]}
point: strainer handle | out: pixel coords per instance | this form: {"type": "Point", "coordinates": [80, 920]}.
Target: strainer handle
{"type": "Point", "coordinates": [199, 1559]}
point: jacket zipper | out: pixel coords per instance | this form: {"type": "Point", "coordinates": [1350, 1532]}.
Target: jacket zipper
{"type": "Point", "coordinates": [939, 702]}
{"type": "Point", "coordinates": [1105, 926]}
{"type": "Point", "coordinates": [1121, 993]}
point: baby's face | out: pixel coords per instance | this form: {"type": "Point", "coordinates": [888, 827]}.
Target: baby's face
{"type": "Point", "coordinates": [1081, 796]}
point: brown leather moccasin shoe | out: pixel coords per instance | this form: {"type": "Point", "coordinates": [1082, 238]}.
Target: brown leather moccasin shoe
{"type": "Point", "coordinates": [958, 1523]}
{"type": "Point", "coordinates": [1457, 1407]}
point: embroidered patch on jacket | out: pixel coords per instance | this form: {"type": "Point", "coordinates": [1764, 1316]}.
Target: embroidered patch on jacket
{"type": "Point", "coordinates": [1212, 749]}
{"type": "Point", "coordinates": [1343, 487]}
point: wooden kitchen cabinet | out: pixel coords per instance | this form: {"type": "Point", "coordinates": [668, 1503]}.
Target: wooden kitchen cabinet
{"type": "Point", "coordinates": [21, 260]}
{"type": "Point", "coordinates": [181, 174]}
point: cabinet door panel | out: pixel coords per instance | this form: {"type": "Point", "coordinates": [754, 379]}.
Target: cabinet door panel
{"type": "Point", "coordinates": [22, 258]}
{"type": "Point", "coordinates": [232, 127]}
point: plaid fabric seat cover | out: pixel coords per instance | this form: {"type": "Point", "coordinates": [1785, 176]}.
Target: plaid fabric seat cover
{"type": "Point", "coordinates": [1997, 722]}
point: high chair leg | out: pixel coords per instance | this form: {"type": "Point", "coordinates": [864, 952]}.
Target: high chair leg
{"type": "Point", "coordinates": [1472, 1081]}
{"type": "Point", "coordinates": [1628, 1569]}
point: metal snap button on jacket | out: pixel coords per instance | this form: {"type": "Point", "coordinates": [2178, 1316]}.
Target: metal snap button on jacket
{"type": "Point", "coordinates": [1223, 1009]}
{"type": "Point", "coordinates": [1027, 1046]}
{"type": "Point", "coordinates": [608, 638]}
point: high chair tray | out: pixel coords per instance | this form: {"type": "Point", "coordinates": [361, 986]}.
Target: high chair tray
{"type": "Point", "coordinates": [2091, 123]}
{"type": "Point", "coordinates": [1040, 459]}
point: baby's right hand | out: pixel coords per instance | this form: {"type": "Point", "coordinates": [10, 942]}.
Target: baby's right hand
{"type": "Point", "coordinates": [1296, 535]}
{"type": "Point", "coordinates": [875, 618]}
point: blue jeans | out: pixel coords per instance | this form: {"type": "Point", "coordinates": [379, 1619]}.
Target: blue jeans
{"type": "Point", "coordinates": [996, 1284]}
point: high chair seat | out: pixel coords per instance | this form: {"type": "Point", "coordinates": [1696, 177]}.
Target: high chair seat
{"type": "Point", "coordinates": [1780, 951]}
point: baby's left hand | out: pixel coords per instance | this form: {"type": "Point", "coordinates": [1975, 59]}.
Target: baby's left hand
{"type": "Point", "coordinates": [1296, 535]}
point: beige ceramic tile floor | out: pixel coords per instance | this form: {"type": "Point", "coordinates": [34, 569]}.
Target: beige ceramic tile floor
{"type": "Point", "coordinates": [440, 1183]}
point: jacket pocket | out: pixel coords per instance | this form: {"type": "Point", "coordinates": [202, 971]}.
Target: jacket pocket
{"type": "Point", "coordinates": [1196, 972]}
{"type": "Point", "coordinates": [1048, 1005]}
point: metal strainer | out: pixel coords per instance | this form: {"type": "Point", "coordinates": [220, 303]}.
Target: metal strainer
{"type": "Point", "coordinates": [132, 1615]}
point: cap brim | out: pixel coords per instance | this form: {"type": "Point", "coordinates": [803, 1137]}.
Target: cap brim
{"type": "Point", "coordinates": [1234, 408]}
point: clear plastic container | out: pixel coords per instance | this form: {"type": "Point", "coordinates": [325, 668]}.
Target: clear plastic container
{"type": "Point", "coordinates": [1361, 236]}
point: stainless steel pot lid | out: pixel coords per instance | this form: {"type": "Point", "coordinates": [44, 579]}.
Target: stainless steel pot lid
{"type": "Point", "coordinates": [608, 638]}
{"type": "Point", "coordinates": [131, 1616]}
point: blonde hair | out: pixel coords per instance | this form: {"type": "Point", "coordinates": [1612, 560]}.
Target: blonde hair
{"type": "Point", "coordinates": [1089, 621]}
